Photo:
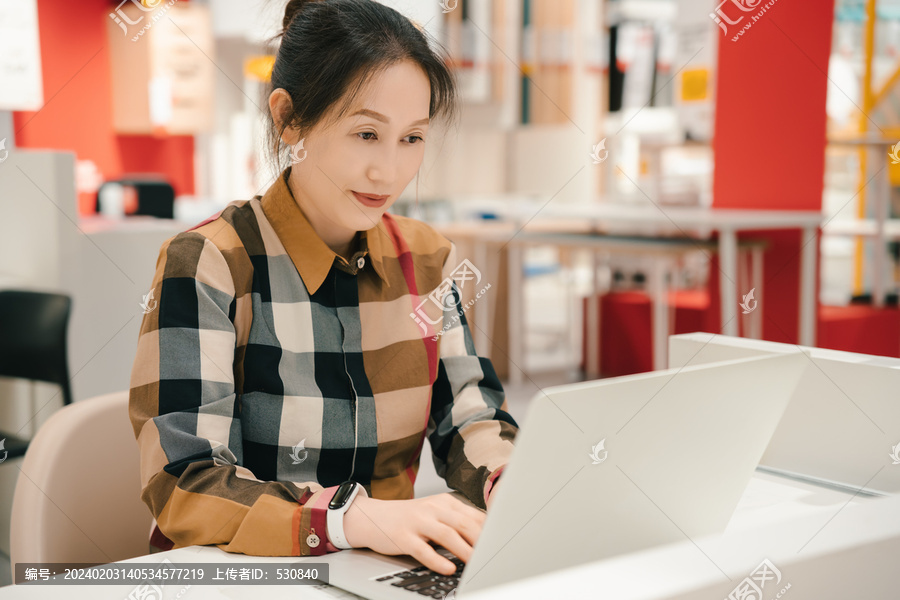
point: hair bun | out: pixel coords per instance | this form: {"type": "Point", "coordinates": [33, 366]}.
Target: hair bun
{"type": "Point", "coordinates": [292, 9]}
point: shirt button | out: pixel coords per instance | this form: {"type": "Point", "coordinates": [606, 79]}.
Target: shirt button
{"type": "Point", "coordinates": [360, 262]}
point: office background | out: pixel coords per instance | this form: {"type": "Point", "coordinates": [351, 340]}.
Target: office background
{"type": "Point", "coordinates": [638, 105]}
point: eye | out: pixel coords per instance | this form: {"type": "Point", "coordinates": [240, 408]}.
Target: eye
{"type": "Point", "coordinates": [415, 138]}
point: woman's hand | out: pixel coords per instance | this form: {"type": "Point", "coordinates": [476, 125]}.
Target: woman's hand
{"type": "Point", "coordinates": [405, 527]}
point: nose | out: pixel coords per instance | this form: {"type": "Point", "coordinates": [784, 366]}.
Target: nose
{"type": "Point", "coordinates": [383, 166]}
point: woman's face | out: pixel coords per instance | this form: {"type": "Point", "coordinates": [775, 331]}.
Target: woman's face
{"type": "Point", "coordinates": [375, 150]}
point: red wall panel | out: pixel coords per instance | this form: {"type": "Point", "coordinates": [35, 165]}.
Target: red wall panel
{"type": "Point", "coordinates": [77, 111]}
{"type": "Point", "coordinates": [769, 137]}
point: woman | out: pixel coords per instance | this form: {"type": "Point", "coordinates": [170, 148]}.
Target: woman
{"type": "Point", "coordinates": [297, 344]}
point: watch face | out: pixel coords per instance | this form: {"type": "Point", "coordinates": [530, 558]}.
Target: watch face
{"type": "Point", "coordinates": [342, 495]}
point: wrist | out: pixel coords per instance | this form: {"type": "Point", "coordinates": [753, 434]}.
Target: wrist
{"type": "Point", "coordinates": [340, 503]}
{"type": "Point", "coordinates": [356, 523]}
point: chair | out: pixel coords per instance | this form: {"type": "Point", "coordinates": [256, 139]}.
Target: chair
{"type": "Point", "coordinates": [33, 345]}
{"type": "Point", "coordinates": [78, 495]}
{"type": "Point", "coordinates": [155, 198]}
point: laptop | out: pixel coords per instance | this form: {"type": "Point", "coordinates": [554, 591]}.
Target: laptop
{"type": "Point", "coordinates": [604, 468]}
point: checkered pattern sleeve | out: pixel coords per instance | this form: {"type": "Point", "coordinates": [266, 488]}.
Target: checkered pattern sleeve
{"type": "Point", "coordinates": [470, 431]}
{"type": "Point", "coordinates": [185, 412]}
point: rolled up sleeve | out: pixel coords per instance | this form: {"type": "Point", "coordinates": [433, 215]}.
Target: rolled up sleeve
{"type": "Point", "coordinates": [470, 429]}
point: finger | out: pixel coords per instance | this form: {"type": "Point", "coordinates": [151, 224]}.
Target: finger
{"type": "Point", "coordinates": [426, 555]}
{"type": "Point", "coordinates": [450, 539]}
{"type": "Point", "coordinates": [469, 528]}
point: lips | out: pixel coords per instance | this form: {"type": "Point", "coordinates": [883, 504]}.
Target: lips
{"type": "Point", "coordinates": [370, 200]}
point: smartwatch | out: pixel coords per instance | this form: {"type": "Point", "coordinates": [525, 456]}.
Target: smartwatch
{"type": "Point", "coordinates": [340, 504]}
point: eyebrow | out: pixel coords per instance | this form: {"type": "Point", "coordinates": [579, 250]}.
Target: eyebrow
{"type": "Point", "coordinates": [380, 117]}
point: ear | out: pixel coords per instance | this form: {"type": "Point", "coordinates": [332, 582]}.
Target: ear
{"type": "Point", "coordinates": [280, 105]}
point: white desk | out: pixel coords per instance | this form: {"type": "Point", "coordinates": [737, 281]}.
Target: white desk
{"type": "Point", "coordinates": [651, 223]}
{"type": "Point", "coordinates": [769, 502]}
{"type": "Point", "coordinates": [827, 543]}
{"type": "Point", "coordinates": [852, 556]}
{"type": "Point", "coordinates": [665, 255]}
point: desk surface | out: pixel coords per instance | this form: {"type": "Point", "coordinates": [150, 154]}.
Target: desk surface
{"type": "Point", "coordinates": [767, 500]}
{"type": "Point", "coordinates": [647, 214]}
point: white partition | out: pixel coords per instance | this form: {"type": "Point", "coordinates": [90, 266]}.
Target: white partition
{"type": "Point", "coordinates": [38, 204]}
{"type": "Point", "coordinates": [852, 556]}
{"type": "Point", "coordinates": [104, 266]}
{"type": "Point", "coordinates": [822, 509]}
{"type": "Point", "coordinates": [844, 422]}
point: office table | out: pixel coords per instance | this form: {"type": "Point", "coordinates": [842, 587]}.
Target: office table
{"type": "Point", "coordinates": [650, 221]}
{"type": "Point", "coordinates": [769, 501]}
{"type": "Point", "coordinates": [829, 541]}
{"type": "Point", "coordinates": [665, 254]}
{"type": "Point", "coordinates": [852, 556]}
{"type": "Point", "coordinates": [523, 220]}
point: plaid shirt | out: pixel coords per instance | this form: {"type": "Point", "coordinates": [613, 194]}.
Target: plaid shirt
{"type": "Point", "coordinates": [271, 370]}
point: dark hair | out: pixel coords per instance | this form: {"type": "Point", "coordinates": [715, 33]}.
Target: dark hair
{"type": "Point", "coordinates": [330, 46]}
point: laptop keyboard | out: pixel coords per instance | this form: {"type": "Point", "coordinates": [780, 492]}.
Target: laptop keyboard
{"type": "Point", "coordinates": [424, 581]}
